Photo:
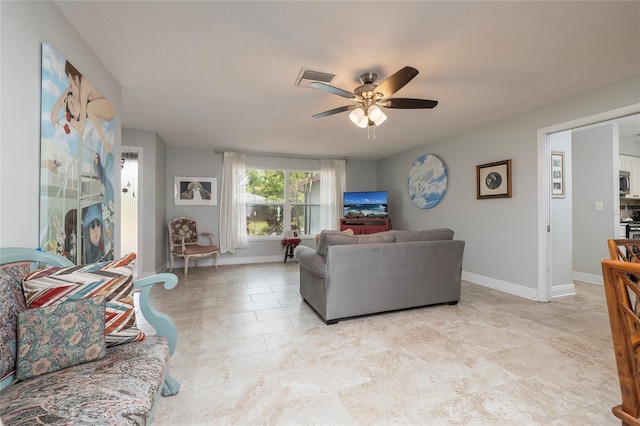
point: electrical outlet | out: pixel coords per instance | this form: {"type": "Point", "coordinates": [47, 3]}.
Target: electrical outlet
{"type": "Point", "coordinates": [599, 205]}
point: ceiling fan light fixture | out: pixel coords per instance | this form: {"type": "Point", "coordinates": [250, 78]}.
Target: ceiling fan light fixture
{"type": "Point", "coordinates": [357, 116]}
{"type": "Point", "coordinates": [382, 119]}
{"type": "Point", "coordinates": [376, 115]}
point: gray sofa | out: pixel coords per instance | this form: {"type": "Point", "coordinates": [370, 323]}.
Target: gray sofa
{"type": "Point", "coordinates": [349, 276]}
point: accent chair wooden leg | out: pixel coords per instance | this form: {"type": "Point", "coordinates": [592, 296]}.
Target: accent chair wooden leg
{"type": "Point", "coordinates": [215, 259]}
{"type": "Point", "coordinates": [186, 265]}
{"type": "Point", "coordinates": [171, 257]}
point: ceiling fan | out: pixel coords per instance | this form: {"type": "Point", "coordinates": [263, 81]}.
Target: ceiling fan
{"type": "Point", "coordinates": [369, 97]}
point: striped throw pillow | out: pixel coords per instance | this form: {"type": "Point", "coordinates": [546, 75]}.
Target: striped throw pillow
{"type": "Point", "coordinates": [113, 280]}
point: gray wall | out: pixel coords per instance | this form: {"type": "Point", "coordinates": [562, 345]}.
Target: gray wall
{"type": "Point", "coordinates": [501, 235]}
{"type": "Point", "coordinates": [361, 175]}
{"type": "Point", "coordinates": [152, 248]}
{"type": "Point", "coordinates": [593, 165]}
{"type": "Point", "coordinates": [24, 26]}
{"type": "Point", "coordinates": [161, 202]}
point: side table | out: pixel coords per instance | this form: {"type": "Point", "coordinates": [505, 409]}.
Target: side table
{"type": "Point", "coordinates": [290, 244]}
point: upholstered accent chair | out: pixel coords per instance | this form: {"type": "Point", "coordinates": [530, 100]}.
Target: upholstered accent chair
{"type": "Point", "coordinates": [183, 242]}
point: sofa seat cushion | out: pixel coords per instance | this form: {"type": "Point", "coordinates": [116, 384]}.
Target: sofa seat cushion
{"type": "Point", "coordinates": [193, 250]}
{"type": "Point", "coordinates": [119, 389]}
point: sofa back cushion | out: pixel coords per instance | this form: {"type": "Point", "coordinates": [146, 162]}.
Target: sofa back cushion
{"type": "Point", "coordinates": [113, 280]}
{"type": "Point", "coordinates": [337, 238]}
{"type": "Point", "coordinates": [11, 304]}
{"type": "Point", "coordinates": [426, 235]}
{"type": "Point", "coordinates": [59, 336]}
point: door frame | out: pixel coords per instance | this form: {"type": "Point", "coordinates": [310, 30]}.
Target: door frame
{"type": "Point", "coordinates": [544, 189]}
{"type": "Point", "coordinates": [138, 150]}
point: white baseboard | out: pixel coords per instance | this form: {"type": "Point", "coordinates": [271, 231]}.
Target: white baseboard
{"type": "Point", "coordinates": [507, 287]}
{"type": "Point", "coordinates": [587, 278]}
{"type": "Point", "coordinates": [563, 290]}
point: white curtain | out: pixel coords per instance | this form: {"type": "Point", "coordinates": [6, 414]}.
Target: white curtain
{"type": "Point", "coordinates": [332, 186]}
{"type": "Point", "coordinates": [233, 229]}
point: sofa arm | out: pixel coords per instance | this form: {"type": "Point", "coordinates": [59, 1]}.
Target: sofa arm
{"type": "Point", "coordinates": [163, 324]}
{"type": "Point", "coordinates": [310, 260]}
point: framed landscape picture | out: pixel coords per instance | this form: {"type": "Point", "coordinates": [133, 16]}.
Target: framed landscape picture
{"type": "Point", "coordinates": [493, 180]}
{"type": "Point", "coordinates": [557, 175]}
{"type": "Point", "coordinates": [195, 191]}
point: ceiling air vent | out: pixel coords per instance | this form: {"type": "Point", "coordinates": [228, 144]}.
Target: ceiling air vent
{"type": "Point", "coordinates": [307, 76]}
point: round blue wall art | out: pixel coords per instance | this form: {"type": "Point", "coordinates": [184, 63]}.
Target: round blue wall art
{"type": "Point", "coordinates": [427, 181]}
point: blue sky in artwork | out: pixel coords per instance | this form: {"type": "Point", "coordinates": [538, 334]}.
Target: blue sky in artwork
{"type": "Point", "coordinates": [427, 181]}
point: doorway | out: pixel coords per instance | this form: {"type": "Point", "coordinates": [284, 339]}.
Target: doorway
{"type": "Point", "coordinates": [130, 163]}
{"type": "Point", "coordinates": [545, 236]}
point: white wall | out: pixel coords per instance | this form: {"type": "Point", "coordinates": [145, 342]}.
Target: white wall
{"type": "Point", "coordinates": [562, 221]}
{"type": "Point", "coordinates": [24, 26]}
{"type": "Point", "coordinates": [501, 234]}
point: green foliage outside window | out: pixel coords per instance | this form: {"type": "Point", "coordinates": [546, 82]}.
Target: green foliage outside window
{"type": "Point", "coordinates": [268, 210]}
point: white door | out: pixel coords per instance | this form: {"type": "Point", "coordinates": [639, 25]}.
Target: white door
{"type": "Point", "coordinates": [129, 206]}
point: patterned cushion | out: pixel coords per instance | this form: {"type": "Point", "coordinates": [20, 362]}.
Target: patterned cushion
{"type": "Point", "coordinates": [428, 235]}
{"type": "Point", "coordinates": [119, 389]}
{"type": "Point", "coordinates": [60, 336]}
{"type": "Point", "coordinates": [11, 303]}
{"type": "Point", "coordinates": [49, 286]}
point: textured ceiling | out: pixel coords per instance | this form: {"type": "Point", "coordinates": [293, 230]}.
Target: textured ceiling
{"type": "Point", "coordinates": [222, 74]}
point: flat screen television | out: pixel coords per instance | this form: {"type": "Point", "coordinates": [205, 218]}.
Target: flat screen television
{"type": "Point", "coordinates": [371, 204]}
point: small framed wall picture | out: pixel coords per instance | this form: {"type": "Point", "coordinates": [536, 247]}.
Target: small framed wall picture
{"type": "Point", "coordinates": [493, 180]}
{"type": "Point", "coordinates": [195, 191]}
{"type": "Point", "coordinates": [557, 174]}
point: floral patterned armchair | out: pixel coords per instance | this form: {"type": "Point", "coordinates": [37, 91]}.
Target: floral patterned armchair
{"type": "Point", "coordinates": [183, 242]}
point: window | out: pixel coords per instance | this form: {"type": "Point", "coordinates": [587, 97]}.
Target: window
{"type": "Point", "coordinates": [282, 200]}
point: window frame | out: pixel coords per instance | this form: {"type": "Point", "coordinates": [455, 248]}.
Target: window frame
{"type": "Point", "coordinates": [286, 205]}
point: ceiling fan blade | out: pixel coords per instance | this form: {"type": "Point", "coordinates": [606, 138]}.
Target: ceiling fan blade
{"type": "Point", "coordinates": [396, 81]}
{"type": "Point", "coordinates": [407, 103]}
{"type": "Point", "coordinates": [331, 89]}
{"type": "Point", "coordinates": [335, 111]}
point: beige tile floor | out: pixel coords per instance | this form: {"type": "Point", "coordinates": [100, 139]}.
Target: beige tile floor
{"type": "Point", "coordinates": [250, 353]}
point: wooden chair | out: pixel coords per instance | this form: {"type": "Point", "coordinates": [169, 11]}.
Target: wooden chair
{"type": "Point", "coordinates": [623, 303]}
{"type": "Point", "coordinates": [183, 242]}
{"type": "Point", "coordinates": [624, 249]}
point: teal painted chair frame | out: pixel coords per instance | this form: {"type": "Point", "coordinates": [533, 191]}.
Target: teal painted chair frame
{"type": "Point", "coordinates": [162, 323]}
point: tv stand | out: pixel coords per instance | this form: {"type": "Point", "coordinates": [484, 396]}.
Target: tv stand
{"type": "Point", "coordinates": [364, 225]}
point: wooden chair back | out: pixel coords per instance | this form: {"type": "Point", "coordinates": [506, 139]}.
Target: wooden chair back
{"type": "Point", "coordinates": [624, 249]}
{"type": "Point", "coordinates": [623, 303]}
